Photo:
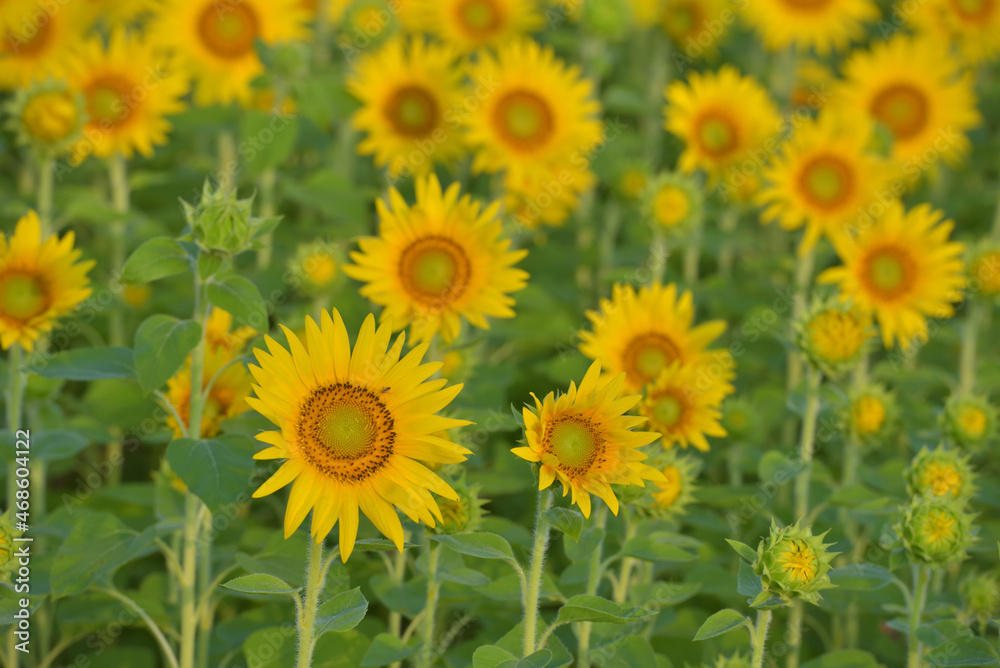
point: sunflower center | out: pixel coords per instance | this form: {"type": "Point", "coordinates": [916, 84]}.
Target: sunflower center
{"type": "Point", "coordinates": [228, 30]}
{"type": "Point", "coordinates": [798, 561]}
{"type": "Point", "coordinates": [903, 109]}
{"type": "Point", "coordinates": [575, 442]}
{"type": "Point", "coordinates": [31, 42]}
{"type": "Point", "coordinates": [869, 415]}
{"type": "Point", "coordinates": [973, 421]}
{"type": "Point", "coordinates": [667, 410]}
{"type": "Point", "coordinates": [524, 119]}
{"type": "Point", "coordinates": [973, 9]}
{"type": "Point", "coordinates": [435, 270]}
{"type": "Point", "coordinates": [716, 134]}
{"type": "Point", "coordinates": [939, 528]}
{"type": "Point", "coordinates": [345, 431]}
{"type": "Point", "coordinates": [50, 117]}
{"type": "Point", "coordinates": [889, 272]}
{"type": "Point", "coordinates": [649, 354]}
{"type": "Point", "coordinates": [827, 180]}
{"type": "Point", "coordinates": [479, 17]}
{"type": "Point", "coordinates": [412, 111]}
{"type": "Point", "coordinates": [671, 206]}
{"type": "Point", "coordinates": [807, 5]}
{"type": "Point", "coordinates": [22, 296]}
{"type": "Point", "coordinates": [942, 479]}
{"type": "Point", "coordinates": [681, 20]}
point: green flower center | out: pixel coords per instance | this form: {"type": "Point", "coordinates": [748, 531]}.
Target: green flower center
{"type": "Point", "coordinates": [347, 430]}
{"type": "Point", "coordinates": [435, 270]}
{"type": "Point", "coordinates": [524, 119]}
{"type": "Point", "coordinates": [228, 30]}
{"type": "Point", "coordinates": [827, 180]}
{"type": "Point", "coordinates": [107, 100]}
{"type": "Point", "coordinates": [716, 134]}
{"type": "Point", "coordinates": [667, 411]}
{"type": "Point", "coordinates": [903, 109]}
{"type": "Point", "coordinates": [479, 16]}
{"type": "Point", "coordinates": [412, 111]}
{"type": "Point", "coordinates": [938, 529]}
{"type": "Point", "coordinates": [889, 272]}
{"type": "Point", "coordinates": [575, 442]}
{"type": "Point", "coordinates": [647, 355]}
{"type": "Point", "coordinates": [22, 296]}
{"type": "Point", "coordinates": [671, 206]}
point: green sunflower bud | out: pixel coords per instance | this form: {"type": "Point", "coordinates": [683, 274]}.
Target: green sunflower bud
{"type": "Point", "coordinates": [740, 419]}
{"type": "Point", "coordinates": [940, 473]}
{"type": "Point", "coordinates": [737, 660]}
{"type": "Point", "coordinates": [47, 117]}
{"type": "Point", "coordinates": [833, 336]}
{"type": "Point", "coordinates": [314, 267]}
{"type": "Point", "coordinates": [872, 414]}
{"type": "Point", "coordinates": [673, 203]}
{"type": "Point", "coordinates": [984, 269]}
{"type": "Point", "coordinates": [670, 497]}
{"type": "Point", "coordinates": [609, 19]}
{"type": "Point", "coordinates": [935, 531]}
{"type": "Point", "coordinates": [463, 514]}
{"type": "Point", "coordinates": [970, 421]}
{"type": "Point", "coordinates": [221, 223]}
{"type": "Point", "coordinates": [7, 535]}
{"type": "Point", "coordinates": [793, 563]}
{"type": "Point", "coordinates": [981, 596]}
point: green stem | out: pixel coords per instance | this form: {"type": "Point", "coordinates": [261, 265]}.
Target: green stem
{"type": "Point", "coordinates": [46, 186]}
{"type": "Point", "coordinates": [267, 182]}
{"type": "Point", "coordinates": [189, 594]}
{"type": "Point", "coordinates": [609, 236]}
{"type": "Point", "coordinates": [593, 582]}
{"type": "Point", "coordinates": [728, 222]}
{"type": "Point", "coordinates": [433, 587]}
{"type": "Point", "coordinates": [161, 640]}
{"type": "Point", "coordinates": [734, 461]}
{"type": "Point", "coordinates": [659, 75]}
{"type": "Point", "coordinates": [803, 277]}
{"type": "Point", "coordinates": [398, 573]}
{"type": "Point", "coordinates": [15, 400]}
{"type": "Point", "coordinates": [534, 581]}
{"type": "Point", "coordinates": [314, 584]}
{"type": "Point", "coordinates": [692, 256]}
{"type": "Point", "coordinates": [620, 592]}
{"type": "Point", "coordinates": [228, 161]}
{"type": "Point", "coordinates": [967, 363]}
{"type": "Point", "coordinates": [813, 380]}
{"type": "Point", "coordinates": [759, 638]}
{"type": "Point", "coordinates": [920, 580]}
{"type": "Point", "coordinates": [204, 582]}
{"type": "Point", "coordinates": [795, 634]}
{"type": "Point", "coordinates": [657, 257]}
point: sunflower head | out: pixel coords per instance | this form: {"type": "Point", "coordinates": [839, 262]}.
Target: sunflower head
{"type": "Point", "coordinates": [935, 530]}
{"type": "Point", "coordinates": [463, 514]}
{"type": "Point", "coordinates": [7, 535]}
{"type": "Point", "coordinates": [981, 595]}
{"type": "Point", "coordinates": [473, 24]}
{"type": "Point", "coordinates": [940, 473]}
{"type": "Point", "coordinates": [671, 496]}
{"type": "Point", "coordinates": [984, 269]}
{"type": "Point", "coordinates": [970, 420]}
{"type": "Point", "coordinates": [47, 116]}
{"type": "Point", "coordinates": [793, 563]}
{"type": "Point", "coordinates": [833, 336]}
{"type": "Point", "coordinates": [673, 203]}
{"type": "Point", "coordinates": [314, 266]}
{"type": "Point", "coordinates": [683, 405]}
{"type": "Point", "coordinates": [740, 418]}
{"type": "Point", "coordinates": [872, 414]}
{"type": "Point", "coordinates": [631, 180]}
{"type": "Point", "coordinates": [584, 439]}
{"type": "Point", "coordinates": [223, 224]}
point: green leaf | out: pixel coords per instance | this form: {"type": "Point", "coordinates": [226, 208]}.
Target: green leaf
{"type": "Point", "coordinates": [586, 608]}
{"type": "Point", "coordinates": [590, 539]}
{"type": "Point", "coordinates": [538, 659]}
{"type": "Point", "coordinates": [748, 583]}
{"type": "Point", "coordinates": [648, 548]}
{"type": "Point", "coordinates": [157, 258]}
{"type": "Point", "coordinates": [482, 544]}
{"type": "Point", "coordinates": [387, 648]}
{"type": "Point", "coordinates": [492, 656]}
{"type": "Point", "coordinates": [932, 635]}
{"type": "Point", "coordinates": [861, 577]}
{"type": "Point", "coordinates": [570, 522]}
{"type": "Point", "coordinates": [342, 612]}
{"type": "Point", "coordinates": [721, 622]}
{"type": "Point", "coordinates": [665, 594]}
{"type": "Point", "coordinates": [377, 545]}
{"type": "Point", "coordinates": [275, 647]}
{"type": "Point", "coordinates": [962, 651]}
{"type": "Point", "coordinates": [96, 547]}
{"type": "Point", "coordinates": [231, 292]}
{"type": "Point", "coordinates": [261, 583]}
{"type": "Point", "coordinates": [216, 470]}
{"type": "Point", "coordinates": [53, 444]}
{"type": "Point", "coordinates": [267, 139]}
{"type": "Point", "coordinates": [844, 658]}
{"type": "Point", "coordinates": [746, 552]}
{"type": "Point", "coordinates": [88, 364]}
{"type": "Point", "coordinates": [162, 343]}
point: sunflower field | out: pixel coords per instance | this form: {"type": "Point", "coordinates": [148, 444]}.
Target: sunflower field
{"type": "Point", "coordinates": [500, 333]}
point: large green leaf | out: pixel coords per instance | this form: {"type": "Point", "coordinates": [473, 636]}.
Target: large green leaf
{"type": "Point", "coordinates": [236, 294]}
{"type": "Point", "coordinates": [845, 658]}
{"type": "Point", "coordinates": [275, 647]}
{"type": "Point", "coordinates": [52, 444]}
{"type": "Point", "coordinates": [88, 364]}
{"type": "Point", "coordinates": [721, 622]}
{"type": "Point", "coordinates": [216, 470]}
{"type": "Point", "coordinates": [482, 544]}
{"type": "Point", "coordinates": [342, 612]}
{"type": "Point", "coordinates": [162, 343]}
{"type": "Point", "coordinates": [387, 648]}
{"type": "Point", "coordinates": [653, 548]}
{"type": "Point", "coordinates": [569, 521]}
{"type": "Point", "coordinates": [155, 259]}
{"type": "Point", "coordinates": [586, 608]}
{"type": "Point", "coordinates": [963, 651]}
{"type": "Point", "coordinates": [267, 139]}
{"type": "Point", "coordinates": [261, 583]}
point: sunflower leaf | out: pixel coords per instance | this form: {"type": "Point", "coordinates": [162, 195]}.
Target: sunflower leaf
{"type": "Point", "coordinates": [721, 622]}
{"type": "Point", "coordinates": [236, 294]}
{"type": "Point", "coordinates": [261, 583]}
{"type": "Point", "coordinates": [342, 612]}
{"type": "Point", "coordinates": [162, 343]}
{"type": "Point", "coordinates": [586, 608]}
{"type": "Point", "coordinates": [217, 470]}
{"type": "Point", "coordinates": [569, 521]}
{"type": "Point", "coordinates": [482, 544]}
{"type": "Point", "coordinates": [87, 364]}
{"type": "Point", "coordinates": [157, 258]}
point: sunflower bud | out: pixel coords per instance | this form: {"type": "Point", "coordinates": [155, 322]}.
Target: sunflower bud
{"type": "Point", "coordinates": [940, 473]}
{"type": "Point", "coordinates": [793, 563]}
{"type": "Point", "coordinates": [970, 421]}
{"type": "Point", "coordinates": [463, 514]}
{"type": "Point", "coordinates": [221, 223]}
{"type": "Point", "coordinates": [673, 203]}
{"type": "Point", "coordinates": [833, 337]}
{"type": "Point", "coordinates": [981, 596]}
{"type": "Point", "coordinates": [609, 19]}
{"type": "Point", "coordinates": [737, 660]}
{"type": "Point", "coordinates": [935, 531]}
{"type": "Point", "coordinates": [984, 269]}
{"type": "Point", "coordinates": [872, 414]}
{"type": "Point", "coordinates": [739, 419]}
{"type": "Point", "coordinates": [668, 497]}
{"type": "Point", "coordinates": [7, 535]}
{"type": "Point", "coordinates": [632, 179]}
{"type": "Point", "coordinates": [314, 267]}
{"type": "Point", "coordinates": [47, 116]}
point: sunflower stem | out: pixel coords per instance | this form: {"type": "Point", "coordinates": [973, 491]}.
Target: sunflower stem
{"type": "Point", "coordinates": [917, 601]}
{"type": "Point", "coordinates": [15, 399]}
{"type": "Point", "coordinates": [427, 654]}
{"type": "Point", "coordinates": [267, 182]}
{"type": "Point", "coordinates": [535, 572]}
{"type": "Point", "coordinates": [659, 75]}
{"type": "Point", "coordinates": [759, 638]}
{"type": "Point", "coordinates": [728, 222]}
{"type": "Point", "coordinates": [692, 257]}
{"type": "Point", "coordinates": [609, 237]}
{"type": "Point", "coordinates": [307, 622]}
{"type": "Point", "coordinates": [967, 363]}
{"type": "Point", "coordinates": [120, 197]}
{"type": "Point", "coordinates": [594, 576]}
{"type": "Point", "coordinates": [803, 277]}
{"type": "Point", "coordinates": [398, 574]}
{"type": "Point", "coordinates": [620, 592]}
{"type": "Point", "coordinates": [228, 161]}
{"type": "Point", "coordinates": [204, 582]}
{"type": "Point", "coordinates": [161, 639]}
{"type": "Point", "coordinates": [794, 635]}
{"type": "Point", "coordinates": [658, 257]}
{"type": "Point", "coordinates": [813, 380]}
{"type": "Point", "coordinates": [46, 186]}
{"type": "Point", "coordinates": [734, 461]}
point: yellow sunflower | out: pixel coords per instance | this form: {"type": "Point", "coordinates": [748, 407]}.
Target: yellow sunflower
{"type": "Point", "coordinates": [473, 24]}
{"type": "Point", "coordinates": [40, 281]}
{"type": "Point", "coordinates": [547, 196]}
{"type": "Point", "coordinates": [688, 22]}
{"type": "Point", "coordinates": [722, 117]}
{"type": "Point", "coordinates": [438, 262]}
{"type": "Point", "coordinates": [226, 398]}
{"type": "Point", "coordinates": [824, 176]}
{"type": "Point", "coordinates": [902, 269]}
{"type": "Point", "coordinates": [128, 89]}
{"type": "Point", "coordinates": [821, 25]}
{"type": "Point", "coordinates": [913, 88]}
{"type": "Point", "coordinates": [352, 427]}
{"type": "Point", "coordinates": [219, 332]}
{"type": "Point", "coordinates": [535, 111]}
{"type": "Point", "coordinates": [37, 41]}
{"type": "Point", "coordinates": [642, 333]}
{"type": "Point", "coordinates": [407, 88]}
{"type": "Point", "coordinates": [584, 439]}
{"type": "Point", "coordinates": [215, 41]}
{"type": "Point", "coordinates": [116, 13]}
{"type": "Point", "coordinates": [682, 413]}
{"type": "Point", "coordinates": [971, 27]}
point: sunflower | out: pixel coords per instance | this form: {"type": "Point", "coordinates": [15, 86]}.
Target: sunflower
{"type": "Point", "coordinates": [645, 13]}
{"type": "Point", "coordinates": [37, 41]}
{"type": "Point", "coordinates": [971, 27]}
{"type": "Point", "coordinates": [673, 203]}
{"type": "Point", "coordinates": [913, 88]}
{"type": "Point", "coordinates": [226, 398]}
{"type": "Point", "coordinates": [438, 262]}
{"type": "Point", "coordinates": [584, 439]}
{"type": "Point", "coordinates": [215, 41]}
{"type": "Point", "coordinates": [680, 411]}
{"type": "Point", "coordinates": [686, 22]}
{"type": "Point", "coordinates": [219, 332]}
{"type": "Point", "coordinates": [534, 112]}
{"type": "Point", "coordinates": [40, 281]}
{"type": "Point", "coordinates": [902, 269]}
{"type": "Point", "coordinates": [642, 333]}
{"type": "Point", "coordinates": [821, 25]}
{"type": "Point", "coordinates": [823, 177]}
{"type": "Point", "coordinates": [407, 89]}
{"type": "Point", "coordinates": [352, 426]}
{"type": "Point", "coordinates": [546, 196]}
{"type": "Point", "coordinates": [47, 116]}
{"type": "Point", "coordinates": [115, 13]}
{"type": "Point", "coordinates": [721, 117]}
{"type": "Point", "coordinates": [128, 88]}
{"type": "Point", "coordinates": [833, 336]}
{"type": "Point", "coordinates": [473, 24]}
